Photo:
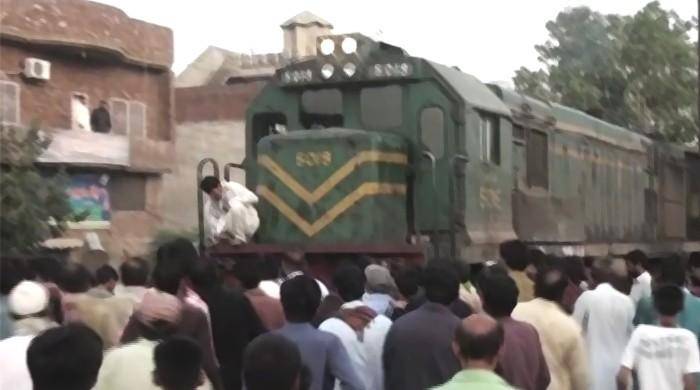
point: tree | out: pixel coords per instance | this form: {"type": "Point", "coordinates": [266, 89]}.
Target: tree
{"type": "Point", "coordinates": [636, 71]}
{"type": "Point", "coordinates": [32, 205]}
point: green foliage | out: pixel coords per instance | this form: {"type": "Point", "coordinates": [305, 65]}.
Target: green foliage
{"type": "Point", "coordinates": [636, 71]}
{"type": "Point", "coordinates": [33, 206]}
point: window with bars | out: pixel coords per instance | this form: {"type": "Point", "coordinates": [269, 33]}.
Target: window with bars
{"type": "Point", "coordinates": [128, 117]}
{"type": "Point", "coordinates": [137, 119]}
{"type": "Point", "coordinates": [9, 102]}
{"type": "Point", "coordinates": [489, 138]}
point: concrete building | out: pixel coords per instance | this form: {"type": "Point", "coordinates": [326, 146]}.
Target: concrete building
{"type": "Point", "coordinates": [217, 66]}
{"type": "Point", "coordinates": [57, 54]}
{"type": "Point", "coordinates": [212, 95]}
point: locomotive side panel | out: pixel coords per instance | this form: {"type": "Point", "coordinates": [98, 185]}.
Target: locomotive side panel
{"type": "Point", "coordinates": [693, 199]}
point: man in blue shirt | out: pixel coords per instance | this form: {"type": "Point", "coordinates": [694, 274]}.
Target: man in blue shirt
{"type": "Point", "coordinates": [322, 353]}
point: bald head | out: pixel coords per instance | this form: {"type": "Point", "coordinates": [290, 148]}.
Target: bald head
{"type": "Point", "coordinates": [478, 340]}
{"type": "Point", "coordinates": [609, 270]}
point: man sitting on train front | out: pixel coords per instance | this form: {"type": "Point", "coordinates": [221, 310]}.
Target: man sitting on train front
{"type": "Point", "coordinates": [229, 211]}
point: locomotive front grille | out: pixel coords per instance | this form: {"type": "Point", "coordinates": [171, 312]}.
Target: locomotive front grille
{"type": "Point", "coordinates": [332, 185]}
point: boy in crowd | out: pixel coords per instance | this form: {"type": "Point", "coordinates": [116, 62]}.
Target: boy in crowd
{"type": "Point", "coordinates": [664, 356]}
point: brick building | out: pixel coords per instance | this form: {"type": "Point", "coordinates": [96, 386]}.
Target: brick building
{"type": "Point", "coordinates": [57, 52]}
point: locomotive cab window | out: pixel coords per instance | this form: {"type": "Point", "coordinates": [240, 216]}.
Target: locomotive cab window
{"type": "Point", "coordinates": [266, 123]}
{"type": "Point", "coordinates": [432, 130]}
{"type": "Point", "coordinates": [321, 108]}
{"type": "Point", "coordinates": [537, 159]}
{"type": "Point", "coordinates": [489, 138]}
{"type": "Point", "coordinates": [381, 107]}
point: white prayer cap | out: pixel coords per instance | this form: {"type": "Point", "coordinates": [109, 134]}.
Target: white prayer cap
{"type": "Point", "coordinates": [28, 298]}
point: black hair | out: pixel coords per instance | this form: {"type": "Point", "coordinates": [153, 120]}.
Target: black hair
{"type": "Point", "coordinates": [668, 299]}
{"type": "Point", "coordinates": [204, 276]}
{"type": "Point", "coordinates": [537, 258]}
{"type": "Point", "coordinates": [601, 270]}
{"type": "Point", "coordinates": [300, 298]}
{"type": "Point", "coordinates": [14, 270]}
{"type": "Point", "coordinates": [654, 265]}
{"type": "Point", "coordinates": [134, 272]}
{"type": "Point", "coordinates": [498, 292]}
{"type": "Point", "coordinates": [349, 280]}
{"type": "Point", "coordinates": [515, 254]}
{"type": "Point", "coordinates": [181, 251]}
{"type": "Point", "coordinates": [156, 330]}
{"type": "Point", "coordinates": [178, 363]}
{"type": "Point", "coordinates": [174, 262]}
{"type": "Point", "coordinates": [106, 273]}
{"type": "Point", "coordinates": [75, 278]}
{"type": "Point", "coordinates": [463, 271]}
{"type": "Point", "coordinates": [408, 280]}
{"type": "Point", "coordinates": [209, 183]}
{"type": "Point", "coordinates": [441, 284]}
{"type": "Point", "coordinates": [271, 353]}
{"type": "Point", "coordinates": [167, 276]}
{"type": "Point", "coordinates": [637, 257]}
{"type": "Point", "coordinates": [479, 346]}
{"type": "Point", "coordinates": [47, 268]}
{"type": "Point", "coordinates": [575, 269]}
{"type": "Point", "coordinates": [65, 358]}
{"type": "Point", "coordinates": [670, 271]}
{"type": "Point", "coordinates": [694, 260]}
{"type": "Point", "coordinates": [550, 283]}
{"type": "Point", "coordinates": [247, 271]}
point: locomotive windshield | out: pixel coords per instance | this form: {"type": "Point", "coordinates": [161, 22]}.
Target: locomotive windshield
{"type": "Point", "coordinates": [321, 108]}
{"type": "Point", "coordinates": [381, 107]}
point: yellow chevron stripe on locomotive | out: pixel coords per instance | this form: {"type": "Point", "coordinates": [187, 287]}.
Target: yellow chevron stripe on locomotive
{"type": "Point", "coordinates": [332, 186]}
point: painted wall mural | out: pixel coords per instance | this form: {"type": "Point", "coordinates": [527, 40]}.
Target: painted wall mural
{"type": "Point", "coordinates": [89, 193]}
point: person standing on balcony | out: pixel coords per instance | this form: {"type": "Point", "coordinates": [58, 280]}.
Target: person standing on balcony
{"type": "Point", "coordinates": [100, 119]}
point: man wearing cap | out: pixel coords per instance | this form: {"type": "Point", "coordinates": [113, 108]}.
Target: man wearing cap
{"type": "Point", "coordinates": [28, 304]}
{"type": "Point", "coordinates": [131, 365]}
{"type": "Point", "coordinates": [380, 286]}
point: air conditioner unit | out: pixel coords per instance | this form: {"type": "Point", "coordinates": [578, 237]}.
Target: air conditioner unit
{"type": "Point", "coordinates": [35, 68]}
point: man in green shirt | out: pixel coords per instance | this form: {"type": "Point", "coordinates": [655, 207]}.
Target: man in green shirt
{"type": "Point", "coordinates": [478, 341]}
{"type": "Point", "coordinates": [671, 271]}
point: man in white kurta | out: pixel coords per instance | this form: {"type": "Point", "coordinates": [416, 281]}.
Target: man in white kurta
{"type": "Point", "coordinates": [605, 315]}
{"type": "Point", "coordinates": [229, 211]}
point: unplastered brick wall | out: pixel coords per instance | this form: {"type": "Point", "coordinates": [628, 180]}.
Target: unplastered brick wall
{"type": "Point", "coordinates": [98, 76]}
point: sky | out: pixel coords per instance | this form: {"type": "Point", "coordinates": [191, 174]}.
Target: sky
{"type": "Point", "coordinates": [489, 39]}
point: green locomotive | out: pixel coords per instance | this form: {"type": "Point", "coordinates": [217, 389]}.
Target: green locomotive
{"type": "Point", "coordinates": [366, 150]}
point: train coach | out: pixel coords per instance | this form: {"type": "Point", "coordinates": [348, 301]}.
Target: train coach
{"type": "Point", "coordinates": [365, 150]}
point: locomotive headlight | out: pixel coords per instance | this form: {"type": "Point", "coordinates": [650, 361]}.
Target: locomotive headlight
{"type": "Point", "coordinates": [349, 45]}
{"type": "Point", "coordinates": [327, 46]}
{"type": "Point", "coordinates": [327, 71]}
{"type": "Point", "coordinates": [349, 69]}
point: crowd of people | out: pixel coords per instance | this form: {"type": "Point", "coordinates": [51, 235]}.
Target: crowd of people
{"type": "Point", "coordinates": [531, 321]}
